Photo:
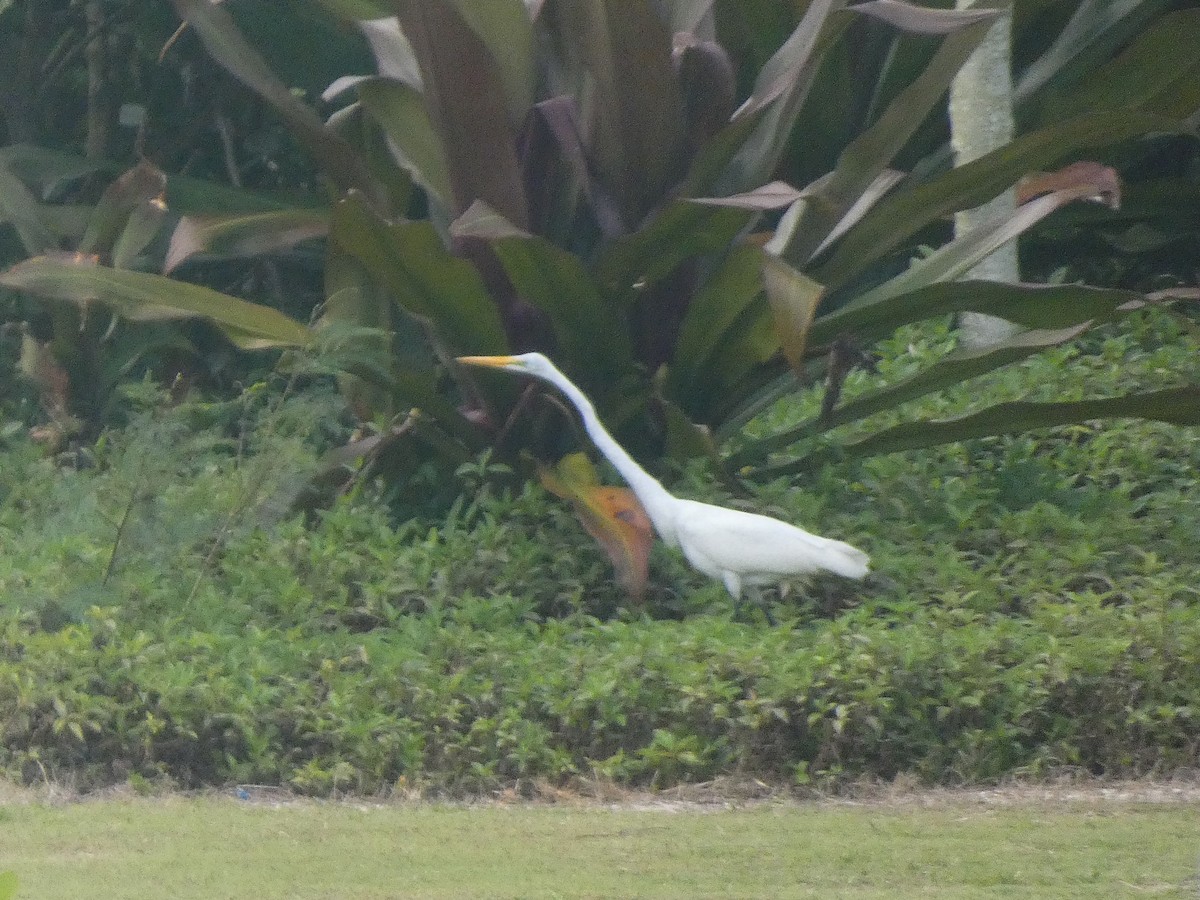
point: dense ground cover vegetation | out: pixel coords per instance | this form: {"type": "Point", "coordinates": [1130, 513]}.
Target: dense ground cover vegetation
{"type": "Point", "coordinates": [1035, 608]}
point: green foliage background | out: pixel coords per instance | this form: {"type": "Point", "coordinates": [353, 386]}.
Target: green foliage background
{"type": "Point", "coordinates": [1037, 611]}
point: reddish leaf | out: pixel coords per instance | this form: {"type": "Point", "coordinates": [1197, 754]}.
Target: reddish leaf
{"type": "Point", "coordinates": [636, 128]}
{"type": "Point", "coordinates": [707, 86]}
{"type": "Point", "coordinates": [1102, 180]}
{"type": "Point", "coordinates": [464, 96]}
{"type": "Point", "coordinates": [611, 515]}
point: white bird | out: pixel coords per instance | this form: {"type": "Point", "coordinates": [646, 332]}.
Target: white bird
{"type": "Point", "coordinates": [739, 549]}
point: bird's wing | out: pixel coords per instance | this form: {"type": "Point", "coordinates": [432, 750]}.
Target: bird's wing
{"type": "Point", "coordinates": [718, 540]}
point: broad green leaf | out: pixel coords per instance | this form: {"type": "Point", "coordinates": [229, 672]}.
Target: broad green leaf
{"type": "Point", "coordinates": [366, 382]}
{"type": "Point", "coordinates": [244, 235]}
{"type": "Point", "coordinates": [960, 255]}
{"type": "Point", "coordinates": [394, 55]}
{"type": "Point", "coordinates": [8, 880]}
{"type": "Point", "coordinates": [69, 221]}
{"type": "Point", "coordinates": [144, 183]}
{"type": "Point", "coordinates": [778, 194]}
{"type": "Point", "coordinates": [1175, 406]}
{"type": "Point", "coordinates": [738, 367]}
{"type": "Point", "coordinates": [611, 515]}
{"type": "Point", "coordinates": [140, 296]}
{"type": "Point", "coordinates": [506, 29]}
{"type": "Point", "coordinates": [226, 44]}
{"type": "Point", "coordinates": [682, 230]}
{"type": "Point", "coordinates": [411, 377]}
{"type": "Point", "coordinates": [637, 111]}
{"type": "Point", "coordinates": [358, 9]}
{"type": "Point", "coordinates": [726, 337]}
{"type": "Point", "coordinates": [900, 215]}
{"type": "Point", "coordinates": [953, 369]}
{"type": "Point", "coordinates": [465, 99]}
{"type": "Point", "coordinates": [188, 196]}
{"type": "Point", "coordinates": [711, 165]}
{"type": "Point", "coordinates": [19, 207]}
{"type": "Point", "coordinates": [44, 168]}
{"type": "Point", "coordinates": [380, 156]}
{"type": "Point", "coordinates": [869, 155]}
{"type": "Point", "coordinates": [716, 308]}
{"type": "Point", "coordinates": [779, 93]}
{"type": "Point", "coordinates": [142, 226]}
{"type": "Point", "coordinates": [1029, 305]}
{"type": "Point", "coordinates": [400, 112]}
{"type": "Point", "coordinates": [885, 181]}
{"type": "Point", "coordinates": [428, 282]}
{"type": "Point", "coordinates": [301, 42]}
{"type": "Point", "coordinates": [1094, 23]}
{"type": "Point", "coordinates": [684, 439]}
{"type": "Point", "coordinates": [919, 19]}
{"type": "Point", "coordinates": [1159, 72]}
{"type": "Point", "coordinates": [590, 332]}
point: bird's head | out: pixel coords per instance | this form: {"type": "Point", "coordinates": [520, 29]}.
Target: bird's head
{"type": "Point", "coordinates": [528, 363]}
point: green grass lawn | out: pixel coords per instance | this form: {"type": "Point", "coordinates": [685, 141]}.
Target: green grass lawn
{"type": "Point", "coordinates": [214, 847]}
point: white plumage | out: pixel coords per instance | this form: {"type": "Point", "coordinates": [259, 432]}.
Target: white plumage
{"type": "Point", "coordinates": [739, 549]}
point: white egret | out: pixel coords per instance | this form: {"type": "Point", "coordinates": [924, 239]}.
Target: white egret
{"type": "Point", "coordinates": [739, 549]}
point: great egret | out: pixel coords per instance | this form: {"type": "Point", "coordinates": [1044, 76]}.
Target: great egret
{"type": "Point", "coordinates": [740, 549]}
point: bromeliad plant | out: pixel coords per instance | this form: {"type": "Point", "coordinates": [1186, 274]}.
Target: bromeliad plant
{"type": "Point", "coordinates": [579, 176]}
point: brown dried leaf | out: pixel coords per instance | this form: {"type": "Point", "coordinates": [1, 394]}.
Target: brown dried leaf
{"type": "Point", "coordinates": [1102, 179]}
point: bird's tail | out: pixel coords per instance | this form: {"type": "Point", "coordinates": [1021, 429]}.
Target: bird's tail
{"type": "Point", "coordinates": [844, 560]}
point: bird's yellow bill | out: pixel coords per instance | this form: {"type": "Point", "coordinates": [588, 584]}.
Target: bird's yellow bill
{"type": "Point", "coordinates": [494, 362]}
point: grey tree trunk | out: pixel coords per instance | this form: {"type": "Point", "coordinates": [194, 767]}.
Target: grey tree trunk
{"type": "Point", "coordinates": [981, 119]}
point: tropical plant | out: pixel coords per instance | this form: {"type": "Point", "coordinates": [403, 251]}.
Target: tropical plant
{"type": "Point", "coordinates": [75, 355]}
{"type": "Point", "coordinates": [579, 177]}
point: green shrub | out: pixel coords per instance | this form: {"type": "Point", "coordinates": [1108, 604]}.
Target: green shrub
{"type": "Point", "coordinates": [1036, 608]}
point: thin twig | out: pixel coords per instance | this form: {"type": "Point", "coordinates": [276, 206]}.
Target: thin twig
{"type": "Point", "coordinates": [134, 497]}
{"type": "Point", "coordinates": [249, 491]}
{"type": "Point", "coordinates": [228, 150]}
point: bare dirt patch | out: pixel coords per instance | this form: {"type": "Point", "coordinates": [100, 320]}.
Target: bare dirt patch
{"type": "Point", "coordinates": [711, 796]}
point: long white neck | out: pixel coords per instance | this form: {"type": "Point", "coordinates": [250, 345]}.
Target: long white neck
{"type": "Point", "coordinates": [656, 499]}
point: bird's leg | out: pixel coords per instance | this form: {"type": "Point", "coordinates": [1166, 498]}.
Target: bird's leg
{"type": "Point", "coordinates": [757, 596]}
{"type": "Point", "coordinates": [733, 584]}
